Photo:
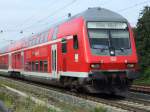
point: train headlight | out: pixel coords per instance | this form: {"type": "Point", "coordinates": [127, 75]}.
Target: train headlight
{"type": "Point", "coordinates": [130, 65]}
{"type": "Point", "coordinates": [95, 66]}
{"type": "Point", "coordinates": [112, 52]}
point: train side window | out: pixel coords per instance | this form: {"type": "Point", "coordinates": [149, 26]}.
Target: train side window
{"type": "Point", "coordinates": [75, 42]}
{"type": "Point", "coordinates": [36, 66]}
{"type": "Point", "coordinates": [41, 66]}
{"type": "Point", "coordinates": [41, 39]}
{"type": "Point", "coordinates": [64, 45]}
{"type": "Point", "coordinates": [46, 36]}
{"type": "Point", "coordinates": [29, 66]}
{"type": "Point", "coordinates": [45, 39]}
{"type": "Point", "coordinates": [45, 66]}
{"type": "Point", "coordinates": [55, 33]}
{"type": "Point", "coordinates": [18, 57]}
{"type": "Point", "coordinates": [37, 40]}
{"type": "Point", "coordinates": [34, 41]}
{"type": "Point", "coordinates": [33, 64]}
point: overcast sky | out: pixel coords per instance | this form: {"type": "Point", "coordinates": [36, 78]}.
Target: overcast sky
{"type": "Point", "coordinates": [32, 16]}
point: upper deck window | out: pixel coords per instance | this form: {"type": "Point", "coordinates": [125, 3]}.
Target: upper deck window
{"type": "Point", "coordinates": [45, 36]}
{"type": "Point", "coordinates": [55, 34]}
{"type": "Point", "coordinates": [37, 40]}
{"type": "Point", "coordinates": [41, 39]}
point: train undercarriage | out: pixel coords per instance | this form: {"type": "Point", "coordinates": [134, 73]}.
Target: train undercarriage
{"type": "Point", "coordinates": [115, 83]}
{"type": "Point", "coordinates": [112, 83]}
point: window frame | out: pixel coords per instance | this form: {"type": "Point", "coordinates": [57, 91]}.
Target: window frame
{"type": "Point", "coordinates": [41, 67]}
{"type": "Point", "coordinates": [55, 32]}
{"type": "Point", "coordinates": [64, 45]}
{"type": "Point", "coordinates": [36, 66]}
{"type": "Point", "coordinates": [110, 38]}
{"type": "Point", "coordinates": [33, 66]}
{"type": "Point", "coordinates": [45, 70]}
{"type": "Point", "coordinates": [75, 42]}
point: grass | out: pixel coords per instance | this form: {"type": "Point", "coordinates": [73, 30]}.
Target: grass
{"type": "Point", "coordinates": [142, 82]}
{"type": "Point", "coordinates": [19, 104]}
{"type": "Point", "coordinates": [144, 78]}
{"type": "Point", "coordinates": [72, 108]}
{"type": "Point", "coordinates": [8, 100]}
{"type": "Point", "coordinates": [99, 109]}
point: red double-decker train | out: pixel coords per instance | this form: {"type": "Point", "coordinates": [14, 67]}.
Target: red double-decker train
{"type": "Point", "coordinates": [93, 51]}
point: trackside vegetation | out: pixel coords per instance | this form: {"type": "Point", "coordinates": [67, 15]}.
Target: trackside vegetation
{"type": "Point", "coordinates": [142, 34]}
{"type": "Point", "coordinates": [16, 103]}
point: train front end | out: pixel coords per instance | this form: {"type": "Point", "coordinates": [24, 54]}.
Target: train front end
{"type": "Point", "coordinates": [112, 54]}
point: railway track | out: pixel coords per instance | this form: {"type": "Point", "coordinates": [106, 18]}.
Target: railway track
{"type": "Point", "coordinates": [139, 97]}
{"type": "Point", "coordinates": [132, 103]}
{"type": "Point", "coordinates": [143, 89]}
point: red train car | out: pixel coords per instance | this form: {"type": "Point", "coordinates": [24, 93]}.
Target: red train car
{"type": "Point", "coordinates": [94, 50]}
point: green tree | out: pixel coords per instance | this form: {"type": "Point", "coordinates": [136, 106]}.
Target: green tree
{"type": "Point", "coordinates": [142, 33]}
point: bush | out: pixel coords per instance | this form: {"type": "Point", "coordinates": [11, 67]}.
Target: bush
{"type": "Point", "coordinates": [144, 79]}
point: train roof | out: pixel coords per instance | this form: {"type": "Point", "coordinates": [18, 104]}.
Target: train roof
{"type": "Point", "coordinates": [96, 14]}
{"type": "Point", "coordinates": [101, 14]}
{"type": "Point", "coordinates": [91, 14]}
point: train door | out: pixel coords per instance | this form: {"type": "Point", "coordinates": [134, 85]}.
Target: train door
{"type": "Point", "coordinates": [54, 60]}
{"type": "Point", "coordinates": [9, 61]}
{"type": "Point", "coordinates": [15, 61]}
{"type": "Point", "coordinates": [22, 60]}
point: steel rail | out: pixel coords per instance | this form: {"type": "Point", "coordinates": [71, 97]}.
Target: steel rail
{"type": "Point", "coordinates": [133, 104]}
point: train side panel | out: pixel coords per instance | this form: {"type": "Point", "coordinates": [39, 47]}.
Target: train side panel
{"type": "Point", "coordinates": [73, 60]}
{"type": "Point", "coordinates": [4, 64]}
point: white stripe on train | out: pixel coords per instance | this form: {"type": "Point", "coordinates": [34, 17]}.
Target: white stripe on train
{"type": "Point", "coordinates": [49, 75]}
{"type": "Point", "coordinates": [39, 45]}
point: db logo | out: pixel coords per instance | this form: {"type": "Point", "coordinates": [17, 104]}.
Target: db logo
{"type": "Point", "coordinates": [113, 59]}
{"type": "Point", "coordinates": [36, 53]}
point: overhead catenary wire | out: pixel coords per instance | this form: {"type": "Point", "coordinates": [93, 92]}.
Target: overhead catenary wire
{"type": "Point", "coordinates": [60, 9]}
{"type": "Point", "coordinates": [106, 2]}
{"type": "Point", "coordinates": [14, 30]}
{"type": "Point", "coordinates": [30, 18]}
{"type": "Point", "coordinates": [52, 14]}
{"type": "Point", "coordinates": [57, 11]}
{"type": "Point", "coordinates": [41, 20]}
{"type": "Point", "coordinates": [43, 23]}
{"type": "Point", "coordinates": [133, 6]}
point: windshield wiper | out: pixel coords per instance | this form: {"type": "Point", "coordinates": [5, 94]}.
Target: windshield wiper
{"type": "Point", "coordinates": [100, 47]}
{"type": "Point", "coordinates": [122, 49]}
